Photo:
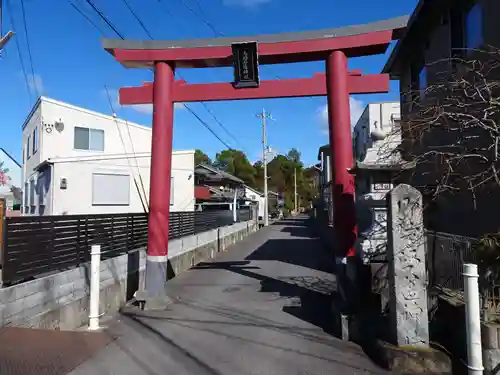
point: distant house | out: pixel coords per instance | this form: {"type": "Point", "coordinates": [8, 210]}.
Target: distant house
{"type": "Point", "coordinates": [10, 180]}
{"type": "Point", "coordinates": [216, 189]}
{"type": "Point", "coordinates": [76, 161]}
{"type": "Point", "coordinates": [325, 179]}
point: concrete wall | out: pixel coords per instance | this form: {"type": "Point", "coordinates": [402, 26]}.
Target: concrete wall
{"type": "Point", "coordinates": [60, 301]}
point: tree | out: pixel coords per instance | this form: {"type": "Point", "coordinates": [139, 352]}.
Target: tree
{"type": "Point", "coordinates": [201, 157]}
{"type": "Point", "coordinates": [236, 163]}
{"type": "Point", "coordinates": [452, 134]}
{"type": "Point", "coordinates": [294, 155]}
{"type": "Point", "coordinates": [4, 177]}
{"type": "Point", "coordinates": [259, 175]}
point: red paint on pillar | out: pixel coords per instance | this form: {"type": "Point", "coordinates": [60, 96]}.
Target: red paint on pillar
{"type": "Point", "coordinates": [161, 160]}
{"type": "Point", "coordinates": [339, 120]}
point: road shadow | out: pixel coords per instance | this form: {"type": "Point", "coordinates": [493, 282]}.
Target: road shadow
{"type": "Point", "coordinates": [302, 221]}
{"type": "Point", "coordinates": [310, 297]}
{"type": "Point", "coordinates": [299, 231]}
{"type": "Point", "coordinates": [303, 252]}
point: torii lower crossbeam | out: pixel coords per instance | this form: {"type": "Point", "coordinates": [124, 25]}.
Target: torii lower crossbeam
{"type": "Point", "coordinates": [284, 88]}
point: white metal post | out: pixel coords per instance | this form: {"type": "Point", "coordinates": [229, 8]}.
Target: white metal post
{"type": "Point", "coordinates": [95, 281]}
{"type": "Point", "coordinates": [472, 319]}
{"type": "Point", "coordinates": [235, 219]}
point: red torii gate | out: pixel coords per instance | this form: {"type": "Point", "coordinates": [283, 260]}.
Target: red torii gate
{"type": "Point", "coordinates": [334, 46]}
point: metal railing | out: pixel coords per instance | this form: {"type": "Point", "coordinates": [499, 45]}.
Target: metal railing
{"type": "Point", "coordinates": [446, 254]}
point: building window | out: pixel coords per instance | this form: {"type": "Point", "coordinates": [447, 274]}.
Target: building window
{"type": "Point", "coordinates": [110, 189]}
{"type": "Point", "coordinates": [474, 27]}
{"type": "Point", "coordinates": [28, 149]}
{"type": "Point", "coordinates": [89, 139]}
{"type": "Point", "coordinates": [35, 140]}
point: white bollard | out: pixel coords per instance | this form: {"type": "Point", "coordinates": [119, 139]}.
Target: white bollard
{"type": "Point", "coordinates": [95, 281]}
{"type": "Point", "coordinates": [472, 319]}
{"type": "Point", "coordinates": [235, 217]}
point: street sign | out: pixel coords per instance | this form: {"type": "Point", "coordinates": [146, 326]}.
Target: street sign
{"type": "Point", "coordinates": [246, 65]}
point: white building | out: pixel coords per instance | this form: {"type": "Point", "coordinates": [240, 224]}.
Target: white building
{"type": "Point", "coordinates": [375, 138]}
{"type": "Point", "coordinates": [252, 195]}
{"type": "Point", "coordinates": [374, 135]}
{"type": "Point", "coordinates": [77, 161]}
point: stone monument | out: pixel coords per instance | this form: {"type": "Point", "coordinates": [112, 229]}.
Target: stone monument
{"type": "Point", "coordinates": [407, 269]}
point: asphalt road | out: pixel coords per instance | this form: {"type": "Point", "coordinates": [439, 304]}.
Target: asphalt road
{"type": "Point", "coordinates": [263, 307]}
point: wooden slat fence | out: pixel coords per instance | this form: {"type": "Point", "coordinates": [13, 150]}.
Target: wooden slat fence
{"type": "Point", "coordinates": [36, 245]}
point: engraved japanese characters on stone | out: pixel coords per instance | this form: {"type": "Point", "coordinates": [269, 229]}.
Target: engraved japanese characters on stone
{"type": "Point", "coordinates": [407, 274]}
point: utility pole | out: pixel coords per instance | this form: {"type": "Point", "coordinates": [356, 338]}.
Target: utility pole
{"type": "Point", "coordinates": [3, 38]}
{"type": "Point", "coordinates": [264, 116]}
{"type": "Point", "coordinates": [295, 188]}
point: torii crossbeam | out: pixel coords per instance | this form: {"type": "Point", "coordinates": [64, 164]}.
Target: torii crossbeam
{"type": "Point", "coordinates": [334, 46]}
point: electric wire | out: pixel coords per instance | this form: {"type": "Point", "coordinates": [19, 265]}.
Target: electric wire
{"type": "Point", "coordinates": [144, 204]}
{"type": "Point", "coordinates": [137, 18]}
{"type": "Point", "coordinates": [216, 32]}
{"type": "Point", "coordinates": [202, 18]}
{"type": "Point", "coordinates": [23, 67]}
{"type": "Point", "coordinates": [87, 18]}
{"type": "Point", "coordinates": [105, 19]}
{"type": "Point", "coordinates": [35, 86]}
{"type": "Point", "coordinates": [190, 110]}
{"type": "Point", "coordinates": [185, 105]}
{"type": "Point", "coordinates": [143, 199]}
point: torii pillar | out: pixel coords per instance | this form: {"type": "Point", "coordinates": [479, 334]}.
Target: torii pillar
{"type": "Point", "coordinates": [160, 180]}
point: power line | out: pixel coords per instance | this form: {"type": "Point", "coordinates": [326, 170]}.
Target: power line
{"type": "Point", "coordinates": [190, 110]}
{"type": "Point", "coordinates": [143, 202]}
{"type": "Point", "coordinates": [105, 19]}
{"type": "Point", "coordinates": [137, 19]}
{"type": "Point", "coordinates": [11, 16]}
{"type": "Point", "coordinates": [207, 126]}
{"type": "Point", "coordinates": [202, 18]}
{"type": "Point", "coordinates": [216, 32]}
{"type": "Point", "coordinates": [200, 7]}
{"type": "Point", "coordinates": [29, 49]}
{"type": "Point", "coordinates": [218, 122]}
{"type": "Point", "coordinates": [86, 17]}
{"type": "Point", "coordinates": [213, 115]}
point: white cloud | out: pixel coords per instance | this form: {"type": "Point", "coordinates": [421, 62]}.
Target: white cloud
{"type": "Point", "coordinates": [148, 108]}
{"type": "Point", "coordinates": [141, 108]}
{"type": "Point", "coordinates": [357, 108]}
{"type": "Point", "coordinates": [35, 83]}
{"type": "Point", "coordinates": [249, 4]}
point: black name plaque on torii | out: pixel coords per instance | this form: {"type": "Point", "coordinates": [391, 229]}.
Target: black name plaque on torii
{"type": "Point", "coordinates": [246, 65]}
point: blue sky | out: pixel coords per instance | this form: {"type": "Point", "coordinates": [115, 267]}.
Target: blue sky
{"type": "Point", "coordinates": [70, 64]}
